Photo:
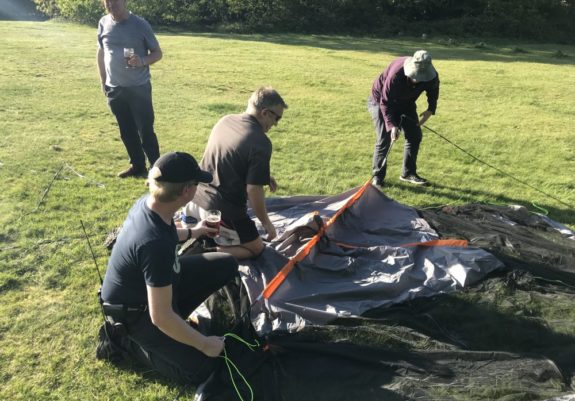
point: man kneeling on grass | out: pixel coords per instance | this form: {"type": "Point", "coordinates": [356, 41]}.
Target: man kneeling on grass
{"type": "Point", "coordinates": [151, 291]}
{"type": "Point", "coordinates": [238, 154]}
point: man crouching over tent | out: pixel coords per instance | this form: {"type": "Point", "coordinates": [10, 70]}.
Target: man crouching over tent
{"type": "Point", "coordinates": [238, 154]}
{"type": "Point", "coordinates": [150, 291]}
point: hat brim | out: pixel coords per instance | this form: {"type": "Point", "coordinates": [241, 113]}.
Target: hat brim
{"type": "Point", "coordinates": [204, 176]}
{"type": "Point", "coordinates": [418, 75]}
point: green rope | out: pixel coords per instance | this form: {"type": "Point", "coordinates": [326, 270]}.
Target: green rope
{"type": "Point", "coordinates": [544, 211]}
{"type": "Point", "coordinates": [230, 365]}
{"type": "Point", "coordinates": [247, 344]}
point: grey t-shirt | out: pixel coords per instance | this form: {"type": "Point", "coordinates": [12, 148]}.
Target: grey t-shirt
{"type": "Point", "coordinates": [238, 153]}
{"type": "Point", "coordinates": [133, 32]}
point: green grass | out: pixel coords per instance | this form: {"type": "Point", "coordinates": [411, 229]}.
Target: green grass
{"type": "Point", "coordinates": [511, 109]}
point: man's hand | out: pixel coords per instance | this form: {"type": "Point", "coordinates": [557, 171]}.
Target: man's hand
{"type": "Point", "coordinates": [202, 229]}
{"type": "Point", "coordinates": [135, 61]}
{"type": "Point", "coordinates": [395, 132]}
{"type": "Point", "coordinates": [213, 346]}
{"type": "Point", "coordinates": [424, 117]}
{"type": "Point", "coordinates": [257, 201]}
{"type": "Point", "coordinates": [271, 230]}
{"type": "Point", "coordinates": [273, 184]}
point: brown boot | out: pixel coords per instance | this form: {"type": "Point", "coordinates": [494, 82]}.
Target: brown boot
{"type": "Point", "coordinates": [133, 171]}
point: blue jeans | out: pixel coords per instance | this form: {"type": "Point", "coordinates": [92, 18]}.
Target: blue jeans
{"type": "Point", "coordinates": [413, 136]}
{"type": "Point", "coordinates": [134, 112]}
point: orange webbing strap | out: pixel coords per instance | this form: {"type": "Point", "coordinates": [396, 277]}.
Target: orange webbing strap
{"type": "Point", "coordinates": [274, 284]}
{"type": "Point", "coordinates": [349, 202]}
{"type": "Point", "coordinates": [436, 242]}
{"type": "Point", "coordinates": [440, 242]}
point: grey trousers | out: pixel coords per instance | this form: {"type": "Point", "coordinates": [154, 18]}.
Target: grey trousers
{"type": "Point", "coordinates": [413, 136]}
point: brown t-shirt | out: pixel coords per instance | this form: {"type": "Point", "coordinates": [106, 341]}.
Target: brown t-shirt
{"type": "Point", "coordinates": [238, 153]}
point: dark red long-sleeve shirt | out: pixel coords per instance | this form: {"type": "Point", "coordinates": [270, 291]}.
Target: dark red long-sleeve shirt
{"type": "Point", "coordinates": [394, 93]}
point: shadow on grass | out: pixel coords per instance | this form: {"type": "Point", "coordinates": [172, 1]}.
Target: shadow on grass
{"type": "Point", "coordinates": [401, 46]}
{"type": "Point", "coordinates": [151, 376]}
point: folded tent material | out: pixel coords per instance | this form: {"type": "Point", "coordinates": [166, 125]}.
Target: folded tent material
{"type": "Point", "coordinates": [367, 258]}
{"type": "Point", "coordinates": [381, 260]}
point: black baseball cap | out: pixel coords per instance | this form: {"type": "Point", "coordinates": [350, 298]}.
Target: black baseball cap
{"type": "Point", "coordinates": [178, 167]}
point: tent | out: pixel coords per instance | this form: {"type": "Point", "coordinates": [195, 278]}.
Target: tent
{"type": "Point", "coordinates": [361, 297]}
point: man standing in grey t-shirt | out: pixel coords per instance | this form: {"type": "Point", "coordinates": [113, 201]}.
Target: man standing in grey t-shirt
{"type": "Point", "coordinates": [238, 155]}
{"type": "Point", "coordinates": [127, 47]}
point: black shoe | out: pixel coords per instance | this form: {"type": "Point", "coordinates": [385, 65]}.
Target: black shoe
{"type": "Point", "coordinates": [414, 179]}
{"type": "Point", "coordinates": [133, 171]}
{"type": "Point", "coordinates": [376, 182]}
{"type": "Point", "coordinates": [110, 343]}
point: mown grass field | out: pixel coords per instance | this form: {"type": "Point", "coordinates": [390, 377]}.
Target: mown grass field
{"type": "Point", "coordinates": [510, 104]}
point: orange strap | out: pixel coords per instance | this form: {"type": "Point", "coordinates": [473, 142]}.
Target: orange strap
{"type": "Point", "coordinates": [274, 284]}
{"type": "Point", "coordinates": [440, 242]}
{"type": "Point", "coordinates": [436, 242]}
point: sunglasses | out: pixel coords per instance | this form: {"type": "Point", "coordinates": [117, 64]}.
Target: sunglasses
{"type": "Point", "coordinates": [276, 115]}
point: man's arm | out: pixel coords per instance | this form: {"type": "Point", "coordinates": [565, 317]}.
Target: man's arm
{"type": "Point", "coordinates": [101, 67]}
{"type": "Point", "coordinates": [432, 95]}
{"type": "Point", "coordinates": [165, 319]}
{"type": "Point", "coordinates": [153, 57]}
{"type": "Point", "coordinates": [196, 231]}
{"type": "Point", "coordinates": [256, 196]}
{"type": "Point", "coordinates": [273, 184]}
{"type": "Point", "coordinates": [389, 93]}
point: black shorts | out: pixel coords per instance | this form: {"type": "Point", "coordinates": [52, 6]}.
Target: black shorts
{"type": "Point", "coordinates": [245, 227]}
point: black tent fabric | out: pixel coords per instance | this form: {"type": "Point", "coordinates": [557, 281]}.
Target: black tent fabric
{"type": "Point", "coordinates": [521, 239]}
{"type": "Point", "coordinates": [471, 333]}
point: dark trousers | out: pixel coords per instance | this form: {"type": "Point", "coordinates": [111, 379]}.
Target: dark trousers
{"type": "Point", "coordinates": [413, 136]}
{"type": "Point", "coordinates": [134, 112]}
{"type": "Point", "coordinates": [201, 275]}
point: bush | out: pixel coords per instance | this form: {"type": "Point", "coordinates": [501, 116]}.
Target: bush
{"type": "Point", "coordinates": [48, 7]}
{"type": "Point", "coordinates": [525, 19]}
{"type": "Point", "coordinates": [85, 11]}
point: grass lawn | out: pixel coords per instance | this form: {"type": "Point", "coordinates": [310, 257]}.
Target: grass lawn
{"type": "Point", "coordinates": [506, 103]}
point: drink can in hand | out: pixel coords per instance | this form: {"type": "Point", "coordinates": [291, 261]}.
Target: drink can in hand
{"type": "Point", "coordinates": [213, 220]}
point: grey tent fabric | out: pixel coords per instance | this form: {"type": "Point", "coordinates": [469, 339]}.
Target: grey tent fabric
{"type": "Point", "coordinates": [365, 317]}
{"type": "Point", "coordinates": [360, 264]}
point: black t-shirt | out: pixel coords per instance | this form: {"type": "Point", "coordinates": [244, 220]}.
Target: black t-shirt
{"type": "Point", "coordinates": [144, 254]}
{"type": "Point", "coordinates": [238, 153]}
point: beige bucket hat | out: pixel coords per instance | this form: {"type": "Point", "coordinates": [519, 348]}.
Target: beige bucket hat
{"type": "Point", "coordinates": [419, 67]}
